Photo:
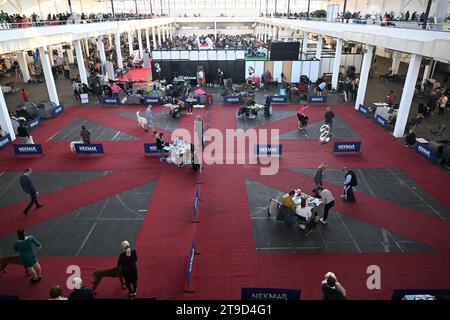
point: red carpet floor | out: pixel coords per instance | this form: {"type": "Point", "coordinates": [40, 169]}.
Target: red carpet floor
{"type": "Point", "coordinates": [228, 260]}
{"type": "Point", "coordinates": [142, 76]}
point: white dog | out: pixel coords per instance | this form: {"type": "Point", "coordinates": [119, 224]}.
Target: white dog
{"type": "Point", "coordinates": [73, 143]}
{"type": "Point", "coordinates": [141, 121]}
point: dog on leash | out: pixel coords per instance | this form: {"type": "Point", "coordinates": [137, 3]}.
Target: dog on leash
{"type": "Point", "coordinates": [73, 143]}
{"type": "Point", "coordinates": [107, 273]}
{"type": "Point", "coordinates": [141, 121]}
{"type": "Point", "coordinates": [5, 261]}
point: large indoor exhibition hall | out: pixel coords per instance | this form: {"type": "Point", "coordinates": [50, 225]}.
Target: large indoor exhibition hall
{"type": "Point", "coordinates": [224, 149]}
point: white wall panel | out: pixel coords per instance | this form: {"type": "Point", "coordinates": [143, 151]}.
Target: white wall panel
{"type": "Point", "coordinates": [296, 71]}
{"type": "Point", "coordinates": [314, 71]}
{"type": "Point", "coordinates": [184, 55]}
{"type": "Point", "coordinates": [277, 70]}
{"type": "Point", "coordinates": [259, 68]}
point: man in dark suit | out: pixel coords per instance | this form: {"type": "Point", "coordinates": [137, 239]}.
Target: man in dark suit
{"type": "Point", "coordinates": [28, 187]}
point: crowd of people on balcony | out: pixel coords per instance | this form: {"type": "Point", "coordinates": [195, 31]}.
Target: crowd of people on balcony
{"type": "Point", "coordinates": [9, 21]}
{"type": "Point", "coordinates": [222, 41]}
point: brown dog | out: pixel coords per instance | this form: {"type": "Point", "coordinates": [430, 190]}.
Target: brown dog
{"type": "Point", "coordinates": [110, 273]}
{"type": "Point", "coordinates": [5, 261]}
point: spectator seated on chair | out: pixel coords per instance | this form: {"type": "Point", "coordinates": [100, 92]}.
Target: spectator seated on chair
{"type": "Point", "coordinates": [288, 206]}
{"type": "Point", "coordinates": [410, 138]}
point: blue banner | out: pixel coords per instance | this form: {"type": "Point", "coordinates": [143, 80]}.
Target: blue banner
{"type": "Point", "coordinates": [196, 200]}
{"type": "Point", "coordinates": [34, 123]}
{"type": "Point", "coordinates": [232, 99]}
{"type": "Point", "coordinates": [278, 99]}
{"type": "Point", "coordinates": [382, 121]}
{"type": "Point", "coordinates": [190, 263]}
{"type": "Point", "coordinates": [317, 99]}
{"type": "Point", "coordinates": [267, 149]}
{"type": "Point", "coordinates": [4, 141]}
{"type": "Point", "coordinates": [58, 110]}
{"type": "Point", "coordinates": [196, 98]}
{"type": "Point", "coordinates": [270, 294]}
{"type": "Point", "coordinates": [26, 149]}
{"type": "Point", "coordinates": [151, 148]}
{"type": "Point", "coordinates": [110, 100]}
{"type": "Point", "coordinates": [152, 100]}
{"type": "Point", "coordinates": [364, 110]}
{"type": "Point", "coordinates": [426, 151]}
{"type": "Point", "coordinates": [89, 148]}
{"type": "Point", "coordinates": [354, 146]}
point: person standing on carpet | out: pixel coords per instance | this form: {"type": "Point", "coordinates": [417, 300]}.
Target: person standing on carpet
{"type": "Point", "coordinates": [160, 145]}
{"type": "Point", "coordinates": [27, 256]}
{"type": "Point", "coordinates": [149, 117]}
{"type": "Point", "coordinates": [329, 116]}
{"type": "Point", "coordinates": [190, 103]}
{"type": "Point", "coordinates": [85, 135]}
{"type": "Point", "coordinates": [28, 187]}
{"type": "Point", "coordinates": [350, 182]}
{"type": "Point", "coordinates": [319, 175]}
{"type": "Point", "coordinates": [327, 201]}
{"type": "Point", "coordinates": [127, 262]}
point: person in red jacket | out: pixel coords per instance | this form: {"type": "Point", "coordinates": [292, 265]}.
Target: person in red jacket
{"type": "Point", "coordinates": [390, 98]}
{"type": "Point", "coordinates": [24, 95]}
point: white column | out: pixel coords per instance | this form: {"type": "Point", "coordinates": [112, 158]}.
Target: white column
{"type": "Point", "coordinates": [159, 36]}
{"type": "Point", "coordinates": [319, 47]}
{"type": "Point", "coordinates": [101, 49]}
{"type": "Point", "coordinates": [86, 46]}
{"type": "Point", "coordinates": [155, 46]}
{"type": "Point", "coordinates": [407, 95]}
{"type": "Point", "coordinates": [5, 120]}
{"type": "Point", "coordinates": [130, 41]}
{"type": "Point", "coordinates": [118, 50]}
{"type": "Point", "coordinates": [365, 68]}
{"type": "Point", "coordinates": [49, 81]}
{"type": "Point", "coordinates": [141, 48]}
{"type": "Point", "coordinates": [147, 39]}
{"type": "Point", "coordinates": [22, 60]}
{"type": "Point", "coordinates": [305, 43]}
{"type": "Point", "coordinates": [395, 62]}
{"type": "Point", "coordinates": [50, 57]}
{"type": "Point", "coordinates": [164, 33]}
{"type": "Point", "coordinates": [426, 73]}
{"type": "Point", "coordinates": [337, 64]}
{"type": "Point", "coordinates": [80, 61]}
{"type": "Point", "coordinates": [170, 32]}
{"type": "Point", "coordinates": [70, 54]}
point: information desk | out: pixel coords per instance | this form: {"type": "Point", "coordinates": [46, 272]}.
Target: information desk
{"type": "Point", "coordinates": [179, 153]}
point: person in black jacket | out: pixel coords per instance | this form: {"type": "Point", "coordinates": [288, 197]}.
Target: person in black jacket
{"type": "Point", "coordinates": [22, 133]}
{"type": "Point", "coordinates": [80, 292]}
{"type": "Point", "coordinates": [331, 289]}
{"type": "Point", "coordinates": [28, 187]}
{"type": "Point", "coordinates": [127, 262]}
{"type": "Point", "coordinates": [349, 183]}
{"type": "Point", "coordinates": [160, 145]}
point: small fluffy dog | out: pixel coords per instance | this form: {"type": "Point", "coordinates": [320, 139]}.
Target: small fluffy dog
{"type": "Point", "coordinates": [141, 121]}
{"type": "Point", "coordinates": [5, 261]}
{"type": "Point", "coordinates": [107, 273]}
{"type": "Point", "coordinates": [73, 143]}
